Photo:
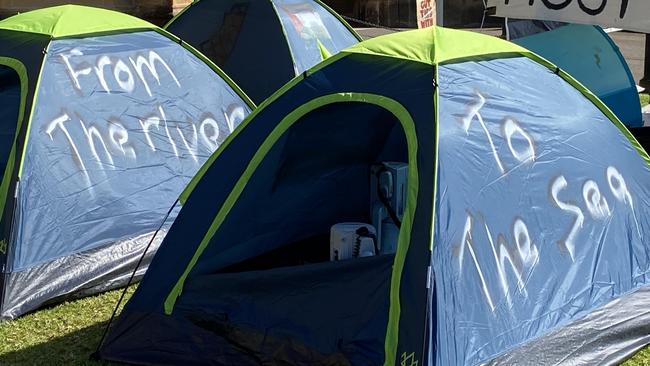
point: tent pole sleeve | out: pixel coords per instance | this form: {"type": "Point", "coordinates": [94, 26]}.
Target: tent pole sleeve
{"type": "Point", "coordinates": [8, 173]}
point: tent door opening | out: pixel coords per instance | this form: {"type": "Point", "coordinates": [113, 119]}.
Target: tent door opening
{"type": "Point", "coordinates": [341, 164]}
{"type": "Point", "coordinates": [267, 269]}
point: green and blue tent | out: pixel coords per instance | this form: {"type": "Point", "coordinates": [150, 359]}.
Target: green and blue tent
{"type": "Point", "coordinates": [262, 44]}
{"type": "Point", "coordinates": [524, 239]}
{"type": "Point", "coordinates": [104, 120]}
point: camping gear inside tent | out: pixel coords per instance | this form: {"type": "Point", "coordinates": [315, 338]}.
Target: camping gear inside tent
{"type": "Point", "coordinates": [262, 44]}
{"type": "Point", "coordinates": [589, 55]}
{"type": "Point", "coordinates": [525, 214]}
{"type": "Point", "coordinates": [105, 119]}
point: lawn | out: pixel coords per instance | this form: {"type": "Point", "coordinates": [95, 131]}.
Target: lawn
{"type": "Point", "coordinates": [62, 335]}
{"type": "Point", "coordinates": [645, 99]}
{"type": "Point", "coordinates": [68, 333]}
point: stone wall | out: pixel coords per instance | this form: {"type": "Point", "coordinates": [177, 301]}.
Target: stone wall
{"type": "Point", "coordinates": [156, 11]}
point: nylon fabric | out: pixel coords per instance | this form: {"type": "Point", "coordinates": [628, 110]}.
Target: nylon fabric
{"type": "Point", "coordinates": [115, 165]}
{"type": "Point", "coordinates": [73, 20]}
{"type": "Point", "coordinates": [589, 55]}
{"type": "Point", "coordinates": [77, 275]}
{"type": "Point", "coordinates": [589, 340]}
{"type": "Point", "coordinates": [568, 236]}
{"type": "Point", "coordinates": [529, 204]}
{"type": "Point", "coordinates": [113, 137]}
{"type": "Point", "coordinates": [228, 33]}
{"type": "Point", "coordinates": [421, 46]}
{"type": "Point", "coordinates": [306, 25]}
{"type": "Point", "coordinates": [285, 34]}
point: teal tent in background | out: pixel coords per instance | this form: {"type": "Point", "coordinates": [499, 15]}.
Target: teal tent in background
{"type": "Point", "coordinates": [589, 54]}
{"type": "Point", "coordinates": [262, 44]}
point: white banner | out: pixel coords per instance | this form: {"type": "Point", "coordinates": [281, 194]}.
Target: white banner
{"type": "Point", "coordinates": [625, 14]}
{"type": "Point", "coordinates": [426, 10]}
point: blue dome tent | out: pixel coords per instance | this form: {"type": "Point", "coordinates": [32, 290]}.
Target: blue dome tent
{"type": "Point", "coordinates": [526, 216]}
{"type": "Point", "coordinates": [106, 118]}
{"type": "Point", "coordinates": [262, 44]}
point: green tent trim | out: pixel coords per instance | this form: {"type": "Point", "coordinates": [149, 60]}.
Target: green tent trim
{"type": "Point", "coordinates": [82, 21]}
{"type": "Point", "coordinates": [401, 46]}
{"type": "Point", "coordinates": [29, 122]}
{"type": "Point", "coordinates": [404, 239]}
{"type": "Point", "coordinates": [21, 70]}
{"type": "Point", "coordinates": [73, 20]}
{"type": "Point", "coordinates": [418, 46]}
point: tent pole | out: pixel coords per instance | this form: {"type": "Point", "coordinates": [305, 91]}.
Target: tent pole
{"type": "Point", "coordinates": [645, 81]}
{"type": "Point", "coordinates": [440, 9]}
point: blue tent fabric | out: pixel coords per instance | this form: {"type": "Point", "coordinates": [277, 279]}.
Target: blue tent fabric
{"type": "Point", "coordinates": [567, 235]}
{"type": "Point", "coordinates": [308, 27]}
{"type": "Point", "coordinates": [589, 54]}
{"type": "Point", "coordinates": [262, 44]}
{"type": "Point", "coordinates": [121, 123]}
{"type": "Point", "coordinates": [99, 154]}
{"type": "Point", "coordinates": [529, 205]}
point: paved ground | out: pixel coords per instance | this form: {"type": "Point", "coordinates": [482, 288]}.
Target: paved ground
{"type": "Point", "coordinates": [632, 45]}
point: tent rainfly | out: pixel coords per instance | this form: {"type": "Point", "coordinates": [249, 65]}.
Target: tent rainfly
{"type": "Point", "coordinates": [105, 118]}
{"type": "Point", "coordinates": [522, 238]}
{"type": "Point", "coordinates": [591, 56]}
{"type": "Point", "coordinates": [262, 44]}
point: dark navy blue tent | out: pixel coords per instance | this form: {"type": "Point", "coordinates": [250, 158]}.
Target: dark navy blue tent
{"type": "Point", "coordinates": [106, 119]}
{"type": "Point", "coordinates": [262, 44]}
{"type": "Point", "coordinates": [523, 237]}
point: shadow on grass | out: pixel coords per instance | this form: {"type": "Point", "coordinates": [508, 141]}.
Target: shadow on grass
{"type": "Point", "coordinates": [71, 349]}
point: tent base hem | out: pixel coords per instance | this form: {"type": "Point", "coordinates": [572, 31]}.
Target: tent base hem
{"type": "Point", "coordinates": [608, 336]}
{"type": "Point", "coordinates": [104, 268]}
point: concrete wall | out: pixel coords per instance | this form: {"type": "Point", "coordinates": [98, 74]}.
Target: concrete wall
{"type": "Point", "coordinates": [157, 11]}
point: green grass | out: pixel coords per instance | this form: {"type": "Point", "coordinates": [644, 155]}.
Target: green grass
{"type": "Point", "coordinates": [68, 333]}
{"type": "Point", "coordinates": [62, 335]}
{"type": "Point", "coordinates": [645, 99]}
{"type": "Point", "coordinates": [641, 358]}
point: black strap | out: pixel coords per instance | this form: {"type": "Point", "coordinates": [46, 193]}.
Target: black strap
{"type": "Point", "coordinates": [384, 200]}
{"type": "Point", "coordinates": [363, 232]}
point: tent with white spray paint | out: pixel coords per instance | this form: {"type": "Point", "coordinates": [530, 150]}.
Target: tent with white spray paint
{"type": "Point", "coordinates": [105, 118]}
{"type": "Point", "coordinates": [262, 44]}
{"type": "Point", "coordinates": [524, 238]}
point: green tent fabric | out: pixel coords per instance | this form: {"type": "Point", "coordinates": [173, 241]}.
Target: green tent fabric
{"type": "Point", "coordinates": [105, 117]}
